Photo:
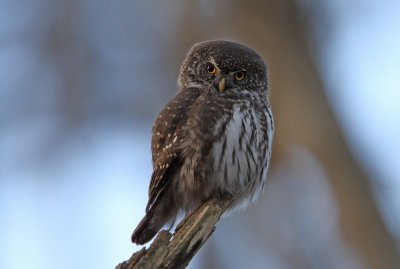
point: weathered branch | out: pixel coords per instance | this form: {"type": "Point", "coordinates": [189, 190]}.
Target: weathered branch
{"type": "Point", "coordinates": [189, 237]}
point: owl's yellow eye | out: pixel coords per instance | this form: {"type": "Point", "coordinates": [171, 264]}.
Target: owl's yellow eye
{"type": "Point", "coordinates": [210, 68]}
{"type": "Point", "coordinates": [239, 75]}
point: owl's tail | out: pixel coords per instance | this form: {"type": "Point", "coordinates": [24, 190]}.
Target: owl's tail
{"type": "Point", "coordinates": [146, 230]}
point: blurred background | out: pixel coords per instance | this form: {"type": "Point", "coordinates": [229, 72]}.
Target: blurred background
{"type": "Point", "coordinates": [82, 81]}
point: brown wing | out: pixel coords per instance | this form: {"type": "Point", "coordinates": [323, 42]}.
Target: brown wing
{"type": "Point", "coordinates": [163, 172]}
{"type": "Point", "coordinates": [166, 142]}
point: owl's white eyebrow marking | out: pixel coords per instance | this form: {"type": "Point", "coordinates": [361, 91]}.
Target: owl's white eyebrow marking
{"type": "Point", "coordinates": [211, 60]}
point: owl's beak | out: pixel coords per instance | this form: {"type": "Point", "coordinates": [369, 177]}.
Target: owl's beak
{"type": "Point", "coordinates": [221, 85]}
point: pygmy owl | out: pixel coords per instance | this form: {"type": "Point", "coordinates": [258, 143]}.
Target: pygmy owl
{"type": "Point", "coordinates": [213, 139]}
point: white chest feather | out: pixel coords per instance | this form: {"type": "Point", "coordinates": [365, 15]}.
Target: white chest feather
{"type": "Point", "coordinates": [242, 154]}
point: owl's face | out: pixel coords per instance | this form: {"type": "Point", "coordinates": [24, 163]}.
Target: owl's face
{"type": "Point", "coordinates": [226, 67]}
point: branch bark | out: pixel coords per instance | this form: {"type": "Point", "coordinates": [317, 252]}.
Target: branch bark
{"type": "Point", "coordinates": [189, 237]}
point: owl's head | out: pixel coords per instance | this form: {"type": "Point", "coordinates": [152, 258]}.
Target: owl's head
{"type": "Point", "coordinates": [223, 66]}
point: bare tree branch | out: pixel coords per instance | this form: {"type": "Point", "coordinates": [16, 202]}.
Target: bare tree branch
{"type": "Point", "coordinates": [189, 237]}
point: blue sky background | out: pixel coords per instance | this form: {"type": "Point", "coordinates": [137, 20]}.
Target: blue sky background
{"type": "Point", "coordinates": [360, 64]}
